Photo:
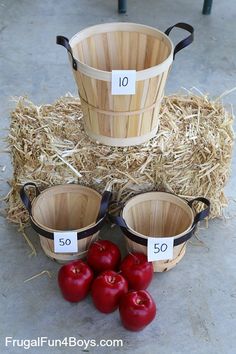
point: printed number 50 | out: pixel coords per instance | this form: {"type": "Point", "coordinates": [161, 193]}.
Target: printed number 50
{"type": "Point", "coordinates": [64, 242]}
{"type": "Point", "coordinates": [161, 248]}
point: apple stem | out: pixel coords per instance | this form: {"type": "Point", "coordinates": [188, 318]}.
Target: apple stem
{"type": "Point", "coordinates": [111, 279]}
{"type": "Point", "coordinates": [135, 257]}
{"type": "Point", "coordinates": [76, 270]}
{"type": "Point", "coordinates": [101, 248]}
{"type": "Point", "coordinates": [140, 302]}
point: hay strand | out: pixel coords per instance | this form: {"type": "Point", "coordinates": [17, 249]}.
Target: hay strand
{"type": "Point", "coordinates": [38, 275]}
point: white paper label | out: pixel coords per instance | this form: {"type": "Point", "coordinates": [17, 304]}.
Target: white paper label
{"type": "Point", "coordinates": [123, 82]}
{"type": "Point", "coordinates": [65, 242]}
{"type": "Point", "coordinates": [160, 248]}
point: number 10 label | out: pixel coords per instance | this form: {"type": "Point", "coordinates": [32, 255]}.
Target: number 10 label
{"type": "Point", "coordinates": [65, 242]}
{"type": "Point", "coordinates": [160, 248]}
{"type": "Point", "coordinates": [123, 82]}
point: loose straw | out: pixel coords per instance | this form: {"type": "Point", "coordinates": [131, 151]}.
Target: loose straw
{"type": "Point", "coordinates": [38, 275]}
{"type": "Point", "coordinates": [190, 156]}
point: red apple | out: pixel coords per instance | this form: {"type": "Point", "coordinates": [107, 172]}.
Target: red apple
{"type": "Point", "coordinates": [107, 290]}
{"type": "Point", "coordinates": [137, 271]}
{"type": "Point", "coordinates": [137, 309]}
{"type": "Point", "coordinates": [74, 280]}
{"type": "Point", "coordinates": [103, 255]}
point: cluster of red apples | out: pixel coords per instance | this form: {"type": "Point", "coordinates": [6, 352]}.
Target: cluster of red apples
{"type": "Point", "coordinates": [114, 284]}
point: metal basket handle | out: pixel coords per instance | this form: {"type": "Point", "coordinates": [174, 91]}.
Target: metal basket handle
{"type": "Point", "coordinates": [64, 41]}
{"type": "Point", "coordinates": [25, 197]}
{"type": "Point", "coordinates": [186, 41]}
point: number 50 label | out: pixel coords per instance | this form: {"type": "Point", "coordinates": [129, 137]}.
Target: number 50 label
{"type": "Point", "coordinates": [160, 248]}
{"type": "Point", "coordinates": [123, 82]}
{"type": "Point", "coordinates": [65, 242]}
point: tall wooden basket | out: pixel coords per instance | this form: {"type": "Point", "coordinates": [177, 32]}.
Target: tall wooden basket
{"type": "Point", "coordinates": [122, 120]}
{"type": "Point", "coordinates": [62, 208]}
{"type": "Point", "coordinates": [159, 214]}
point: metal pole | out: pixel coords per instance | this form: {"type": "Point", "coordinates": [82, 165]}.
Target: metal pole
{"type": "Point", "coordinates": [122, 6]}
{"type": "Point", "coordinates": [207, 7]}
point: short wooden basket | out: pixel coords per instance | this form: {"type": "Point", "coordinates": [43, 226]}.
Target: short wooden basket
{"type": "Point", "coordinates": [158, 214]}
{"type": "Point", "coordinates": [64, 208]}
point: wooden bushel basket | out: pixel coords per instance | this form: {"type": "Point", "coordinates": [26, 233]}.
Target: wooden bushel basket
{"type": "Point", "coordinates": [69, 207]}
{"type": "Point", "coordinates": [122, 120]}
{"type": "Point", "coordinates": [160, 214]}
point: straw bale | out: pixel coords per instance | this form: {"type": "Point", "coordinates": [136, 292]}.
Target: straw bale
{"type": "Point", "coordinates": [190, 155]}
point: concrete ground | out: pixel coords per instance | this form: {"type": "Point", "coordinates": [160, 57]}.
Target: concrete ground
{"type": "Point", "coordinates": [197, 299]}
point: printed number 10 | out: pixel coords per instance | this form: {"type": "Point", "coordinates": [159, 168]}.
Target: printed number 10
{"type": "Point", "coordinates": [123, 81]}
